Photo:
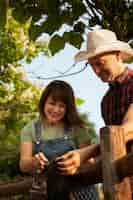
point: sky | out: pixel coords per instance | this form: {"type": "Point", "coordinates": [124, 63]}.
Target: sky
{"type": "Point", "coordinates": [85, 84]}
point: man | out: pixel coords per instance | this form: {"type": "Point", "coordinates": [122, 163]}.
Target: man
{"type": "Point", "coordinates": [105, 53]}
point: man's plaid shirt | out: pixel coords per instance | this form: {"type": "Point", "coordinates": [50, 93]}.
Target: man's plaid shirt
{"type": "Point", "coordinates": [116, 102]}
{"type": "Point", "coordinates": [118, 98]}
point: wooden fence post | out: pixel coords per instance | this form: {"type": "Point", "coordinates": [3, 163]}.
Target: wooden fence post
{"type": "Point", "coordinates": [112, 148]}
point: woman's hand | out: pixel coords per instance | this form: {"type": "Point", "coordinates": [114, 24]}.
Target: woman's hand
{"type": "Point", "coordinates": [69, 163]}
{"type": "Point", "coordinates": [28, 162]}
{"type": "Point", "coordinates": [39, 161]}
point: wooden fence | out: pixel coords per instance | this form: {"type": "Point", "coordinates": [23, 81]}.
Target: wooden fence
{"type": "Point", "coordinates": [113, 147]}
{"type": "Point", "coordinates": [113, 171]}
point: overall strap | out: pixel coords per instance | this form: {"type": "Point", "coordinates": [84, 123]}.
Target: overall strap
{"type": "Point", "coordinates": [37, 125]}
{"type": "Point", "coordinates": [68, 129]}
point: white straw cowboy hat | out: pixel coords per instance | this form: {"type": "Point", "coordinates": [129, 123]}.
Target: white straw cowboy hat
{"type": "Point", "coordinates": [103, 41]}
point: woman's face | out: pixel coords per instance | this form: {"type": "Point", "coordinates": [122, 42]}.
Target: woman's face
{"type": "Point", "coordinates": [54, 110]}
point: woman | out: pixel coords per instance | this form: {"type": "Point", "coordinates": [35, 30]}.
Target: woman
{"type": "Point", "coordinates": [61, 129]}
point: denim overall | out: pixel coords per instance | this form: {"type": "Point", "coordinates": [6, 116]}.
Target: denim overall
{"type": "Point", "coordinates": [57, 147]}
{"type": "Point", "coordinates": [53, 147]}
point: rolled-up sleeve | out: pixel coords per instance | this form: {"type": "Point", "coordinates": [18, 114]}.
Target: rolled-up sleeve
{"type": "Point", "coordinates": [27, 133]}
{"type": "Point", "coordinates": [81, 136]}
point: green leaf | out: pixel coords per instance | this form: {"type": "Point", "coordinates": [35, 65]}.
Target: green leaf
{"type": "Point", "coordinates": [79, 101]}
{"type": "Point", "coordinates": [56, 43]}
{"type": "Point", "coordinates": [79, 27]}
{"type": "Point", "coordinates": [73, 38]}
{"type": "Point", "coordinates": [52, 24]}
{"type": "Point", "coordinates": [79, 8]}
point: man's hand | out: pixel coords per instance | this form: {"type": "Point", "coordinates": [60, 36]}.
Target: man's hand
{"type": "Point", "coordinates": [69, 163]}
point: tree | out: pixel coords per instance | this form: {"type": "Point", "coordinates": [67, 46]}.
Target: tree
{"type": "Point", "coordinates": [49, 16]}
{"type": "Point", "coordinates": [18, 96]}
{"type": "Point", "coordinates": [15, 46]}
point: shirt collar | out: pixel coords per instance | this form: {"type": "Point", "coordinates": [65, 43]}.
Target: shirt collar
{"type": "Point", "coordinates": [122, 78]}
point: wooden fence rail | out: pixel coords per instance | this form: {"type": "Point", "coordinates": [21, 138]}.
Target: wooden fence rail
{"type": "Point", "coordinates": [113, 171]}
{"type": "Point", "coordinates": [113, 147]}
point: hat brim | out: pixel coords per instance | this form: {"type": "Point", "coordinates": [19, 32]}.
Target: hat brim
{"type": "Point", "coordinates": [123, 47]}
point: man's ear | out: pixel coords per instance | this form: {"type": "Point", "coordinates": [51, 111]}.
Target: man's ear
{"type": "Point", "coordinates": [118, 55]}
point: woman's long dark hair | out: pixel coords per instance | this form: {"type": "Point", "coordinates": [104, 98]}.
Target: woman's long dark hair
{"type": "Point", "coordinates": [62, 91]}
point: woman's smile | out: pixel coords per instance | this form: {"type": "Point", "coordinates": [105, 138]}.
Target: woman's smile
{"type": "Point", "coordinates": [54, 110]}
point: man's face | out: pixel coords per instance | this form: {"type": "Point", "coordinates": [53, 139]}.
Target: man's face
{"type": "Point", "coordinates": [106, 66]}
